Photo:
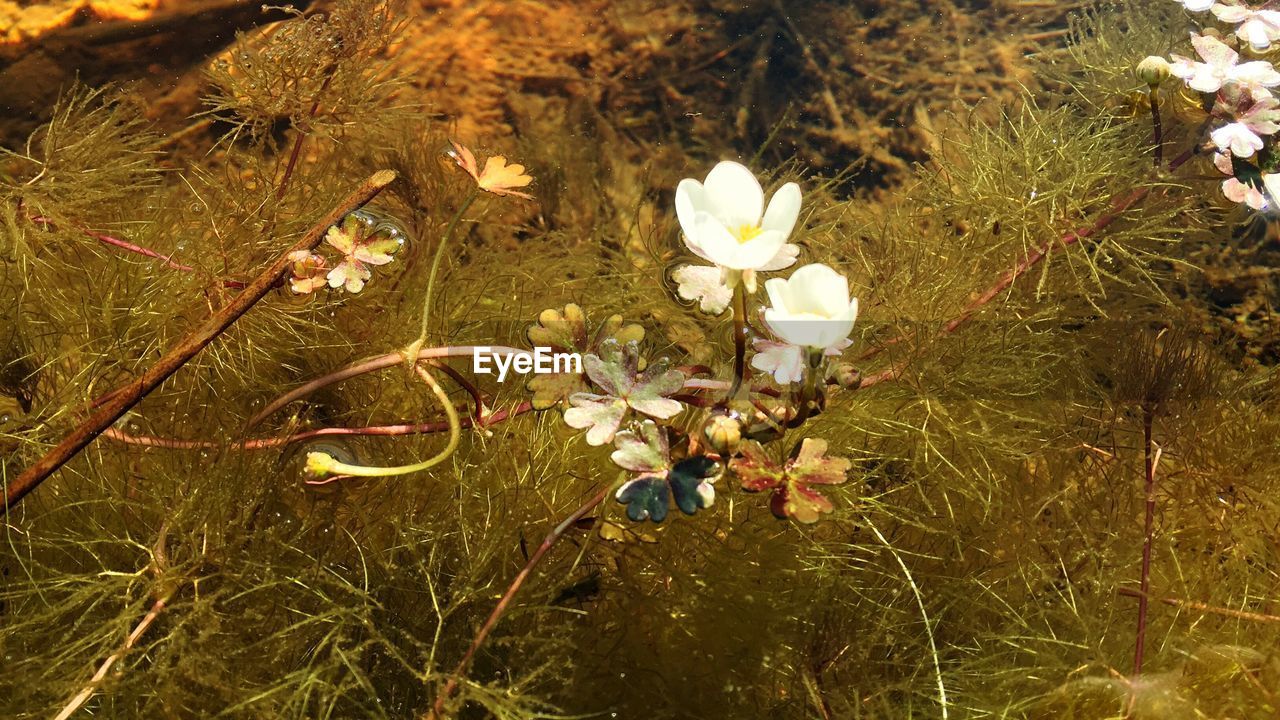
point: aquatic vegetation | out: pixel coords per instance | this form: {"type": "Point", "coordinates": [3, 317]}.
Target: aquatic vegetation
{"type": "Point", "coordinates": [971, 458]}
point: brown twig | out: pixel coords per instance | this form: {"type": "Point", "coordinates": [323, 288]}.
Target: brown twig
{"type": "Point", "coordinates": [437, 710]}
{"type": "Point", "coordinates": [176, 357]}
{"type": "Point", "coordinates": [1205, 607]}
{"type": "Point", "coordinates": [83, 696]}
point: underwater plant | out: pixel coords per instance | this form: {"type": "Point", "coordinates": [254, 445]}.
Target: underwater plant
{"type": "Point", "coordinates": [938, 469]}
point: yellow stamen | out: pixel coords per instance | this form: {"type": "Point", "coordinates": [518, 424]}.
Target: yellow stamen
{"type": "Point", "coordinates": [746, 232]}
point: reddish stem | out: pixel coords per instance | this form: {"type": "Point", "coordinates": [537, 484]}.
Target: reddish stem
{"type": "Point", "coordinates": [136, 249]}
{"type": "Point", "coordinates": [437, 710]}
{"type": "Point", "coordinates": [272, 442]}
{"type": "Point", "coordinates": [1150, 458]}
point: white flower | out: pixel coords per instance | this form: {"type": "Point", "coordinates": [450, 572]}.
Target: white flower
{"type": "Point", "coordinates": [725, 221]}
{"type": "Point", "coordinates": [1220, 67]}
{"type": "Point", "coordinates": [1259, 28]}
{"type": "Point", "coordinates": [812, 308]}
{"type": "Point", "coordinates": [1196, 5]}
{"type": "Point", "coordinates": [1244, 136]}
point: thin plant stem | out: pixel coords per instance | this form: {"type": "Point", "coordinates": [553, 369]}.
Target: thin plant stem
{"type": "Point", "coordinates": [1205, 607]}
{"type": "Point", "coordinates": [451, 686]}
{"type": "Point", "coordinates": [1151, 458]}
{"type": "Point", "coordinates": [302, 135]}
{"type": "Point", "coordinates": [435, 267]}
{"type": "Point", "coordinates": [397, 430]}
{"type": "Point", "coordinates": [928, 625]}
{"type": "Point", "coordinates": [809, 391]}
{"type": "Point", "coordinates": [1158, 133]}
{"type": "Point", "coordinates": [333, 467]}
{"type": "Point", "coordinates": [130, 394]}
{"type": "Point", "coordinates": [380, 362]}
{"type": "Point", "coordinates": [739, 339]}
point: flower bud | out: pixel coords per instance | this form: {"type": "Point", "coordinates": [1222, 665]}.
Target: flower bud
{"type": "Point", "coordinates": [723, 433]}
{"type": "Point", "coordinates": [1153, 70]}
{"type": "Point", "coordinates": [847, 376]}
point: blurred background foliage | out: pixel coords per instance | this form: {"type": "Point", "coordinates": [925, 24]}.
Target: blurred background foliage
{"type": "Point", "coordinates": [982, 559]}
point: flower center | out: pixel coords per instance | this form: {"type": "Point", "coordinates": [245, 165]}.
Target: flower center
{"type": "Point", "coordinates": [746, 232]}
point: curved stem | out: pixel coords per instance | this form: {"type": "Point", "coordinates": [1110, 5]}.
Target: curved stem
{"type": "Point", "coordinates": [323, 463]}
{"type": "Point", "coordinates": [437, 710]}
{"type": "Point", "coordinates": [435, 266]}
{"type": "Point", "coordinates": [372, 365]}
{"type": "Point", "coordinates": [267, 443]}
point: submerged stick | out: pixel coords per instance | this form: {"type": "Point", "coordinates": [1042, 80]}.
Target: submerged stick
{"type": "Point", "coordinates": [129, 395]}
{"type": "Point", "coordinates": [83, 696]}
{"type": "Point", "coordinates": [450, 687]}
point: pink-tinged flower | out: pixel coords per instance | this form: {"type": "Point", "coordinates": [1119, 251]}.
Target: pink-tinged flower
{"type": "Point", "coordinates": [1259, 28]}
{"type": "Point", "coordinates": [1196, 5]}
{"type": "Point", "coordinates": [1242, 192]}
{"type": "Point", "coordinates": [363, 241]}
{"type": "Point", "coordinates": [787, 362]}
{"type": "Point", "coordinates": [1257, 118]}
{"type": "Point", "coordinates": [1221, 66]}
{"type": "Point", "coordinates": [1238, 138]}
{"type": "Point", "coordinates": [307, 272]}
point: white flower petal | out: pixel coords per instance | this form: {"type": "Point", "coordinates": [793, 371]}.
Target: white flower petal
{"type": "Point", "coordinates": [783, 211]}
{"type": "Point", "coordinates": [715, 241]}
{"type": "Point", "coordinates": [1271, 181]}
{"type": "Point", "coordinates": [1231, 13]}
{"type": "Point", "coordinates": [733, 195]}
{"type": "Point", "coordinates": [1257, 72]}
{"type": "Point", "coordinates": [782, 360]}
{"type": "Point", "coordinates": [759, 250]}
{"type": "Point", "coordinates": [785, 258]}
{"type": "Point", "coordinates": [690, 198]}
{"type": "Point", "coordinates": [703, 284]}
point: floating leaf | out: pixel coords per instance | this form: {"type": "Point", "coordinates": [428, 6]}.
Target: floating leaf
{"type": "Point", "coordinates": [792, 495]}
{"type": "Point", "coordinates": [690, 482]}
{"type": "Point", "coordinates": [646, 450]}
{"type": "Point", "coordinates": [307, 272]}
{"type": "Point", "coordinates": [645, 498]}
{"type": "Point", "coordinates": [601, 413]}
{"type": "Point", "coordinates": [616, 371]}
{"type": "Point", "coordinates": [364, 239]}
{"type": "Point", "coordinates": [497, 177]}
{"type": "Point", "coordinates": [643, 451]}
{"type": "Point", "coordinates": [567, 332]}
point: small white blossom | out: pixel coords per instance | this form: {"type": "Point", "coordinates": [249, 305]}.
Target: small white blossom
{"type": "Point", "coordinates": [1221, 66]}
{"type": "Point", "coordinates": [1196, 5]}
{"type": "Point", "coordinates": [812, 308]}
{"type": "Point", "coordinates": [1259, 28]}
